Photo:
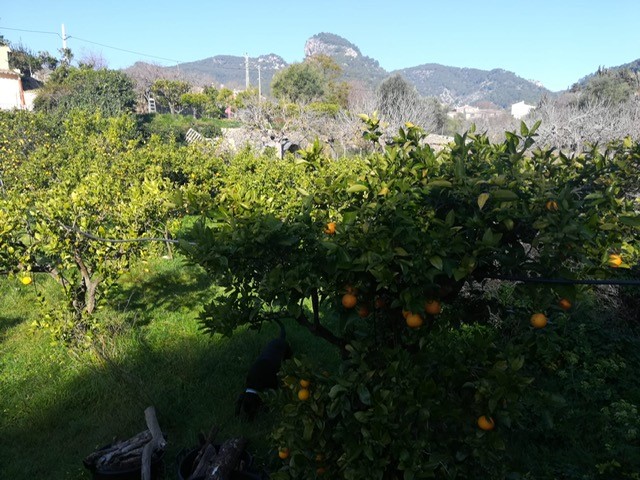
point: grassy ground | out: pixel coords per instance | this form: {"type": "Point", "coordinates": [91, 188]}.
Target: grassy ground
{"type": "Point", "coordinates": [59, 404]}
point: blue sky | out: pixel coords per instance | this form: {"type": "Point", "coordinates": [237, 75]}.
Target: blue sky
{"type": "Point", "coordinates": [554, 41]}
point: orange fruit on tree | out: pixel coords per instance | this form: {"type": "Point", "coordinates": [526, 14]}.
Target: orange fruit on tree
{"type": "Point", "coordinates": [486, 423]}
{"type": "Point", "coordinates": [331, 228]}
{"type": "Point", "coordinates": [433, 307]}
{"type": "Point", "coordinates": [363, 311]}
{"type": "Point", "coordinates": [615, 260]}
{"type": "Point", "coordinates": [283, 453]}
{"type": "Point", "coordinates": [564, 303]}
{"type": "Point", "coordinates": [552, 206]}
{"type": "Point", "coordinates": [414, 320]}
{"type": "Point", "coordinates": [349, 300]}
{"type": "Point", "coordinates": [380, 303]}
{"type": "Point", "coordinates": [538, 320]}
{"type": "Point", "coordinates": [321, 471]}
{"type": "Point", "coordinates": [303, 394]}
{"type": "Point", "coordinates": [304, 383]}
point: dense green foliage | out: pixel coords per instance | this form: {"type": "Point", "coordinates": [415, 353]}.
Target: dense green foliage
{"type": "Point", "coordinates": [390, 232]}
{"type": "Point", "coordinates": [69, 88]}
{"type": "Point", "coordinates": [397, 229]}
{"type": "Point", "coordinates": [90, 177]}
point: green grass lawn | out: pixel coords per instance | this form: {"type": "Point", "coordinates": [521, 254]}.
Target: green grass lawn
{"type": "Point", "coordinates": [59, 404]}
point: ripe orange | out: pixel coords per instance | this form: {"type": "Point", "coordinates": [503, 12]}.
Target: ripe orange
{"type": "Point", "coordinates": [433, 307]}
{"type": "Point", "coordinates": [363, 311]}
{"type": "Point", "coordinates": [565, 304]}
{"type": "Point", "coordinates": [304, 383]}
{"type": "Point", "coordinates": [538, 320]}
{"type": "Point", "coordinates": [283, 453]}
{"type": "Point", "coordinates": [615, 260]}
{"type": "Point", "coordinates": [331, 228]}
{"type": "Point", "coordinates": [552, 206]}
{"type": "Point", "coordinates": [486, 423]}
{"type": "Point", "coordinates": [414, 320]}
{"type": "Point", "coordinates": [304, 394]}
{"type": "Point", "coordinates": [349, 300]}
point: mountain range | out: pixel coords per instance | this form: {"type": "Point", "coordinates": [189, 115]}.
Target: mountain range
{"type": "Point", "coordinates": [451, 85]}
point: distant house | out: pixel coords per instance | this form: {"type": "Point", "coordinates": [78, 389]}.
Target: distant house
{"type": "Point", "coordinates": [521, 109]}
{"type": "Point", "coordinates": [469, 112]}
{"type": "Point", "coordinates": [12, 92]}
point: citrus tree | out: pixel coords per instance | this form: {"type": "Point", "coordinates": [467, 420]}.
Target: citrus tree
{"type": "Point", "coordinates": [386, 257]}
{"type": "Point", "coordinates": [75, 204]}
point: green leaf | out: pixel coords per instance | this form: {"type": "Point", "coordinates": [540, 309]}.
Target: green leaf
{"type": "Point", "coordinates": [504, 195]}
{"type": "Point", "coordinates": [440, 183]}
{"type": "Point", "coordinates": [630, 221]}
{"type": "Point", "coordinates": [336, 389]}
{"type": "Point", "coordinates": [364, 395]}
{"type": "Point", "coordinates": [357, 187]}
{"type": "Point", "coordinates": [482, 199]}
{"type": "Point", "coordinates": [436, 261]}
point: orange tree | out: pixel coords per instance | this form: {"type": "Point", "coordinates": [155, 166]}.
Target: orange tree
{"type": "Point", "coordinates": [404, 231]}
{"type": "Point", "coordinates": [73, 196]}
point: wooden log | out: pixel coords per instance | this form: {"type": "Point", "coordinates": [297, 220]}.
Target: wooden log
{"type": "Point", "coordinates": [227, 459]}
{"type": "Point", "coordinates": [204, 459]}
{"type": "Point", "coordinates": [157, 442]}
{"type": "Point", "coordinates": [111, 453]}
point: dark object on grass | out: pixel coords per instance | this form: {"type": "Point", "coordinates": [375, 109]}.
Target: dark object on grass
{"type": "Point", "coordinates": [229, 461]}
{"type": "Point", "coordinates": [263, 374]}
{"type": "Point", "coordinates": [141, 456]}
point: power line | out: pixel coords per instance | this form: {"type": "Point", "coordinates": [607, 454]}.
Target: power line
{"type": "Point", "coordinates": [30, 31]}
{"type": "Point", "coordinates": [69, 37]}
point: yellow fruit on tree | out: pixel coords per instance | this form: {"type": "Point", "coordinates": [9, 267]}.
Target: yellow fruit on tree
{"type": "Point", "coordinates": [538, 320]}
{"type": "Point", "coordinates": [331, 228]}
{"type": "Point", "coordinates": [283, 453]}
{"type": "Point", "coordinates": [564, 303]}
{"type": "Point", "coordinates": [349, 300]}
{"type": "Point", "coordinates": [486, 423]}
{"type": "Point", "coordinates": [303, 394]}
{"type": "Point", "coordinates": [414, 320]}
{"type": "Point", "coordinates": [615, 260]}
{"type": "Point", "coordinates": [304, 383]}
{"type": "Point", "coordinates": [552, 206]}
{"type": "Point", "coordinates": [433, 307]}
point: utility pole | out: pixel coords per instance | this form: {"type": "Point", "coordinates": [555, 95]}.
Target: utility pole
{"type": "Point", "coordinates": [64, 39]}
{"type": "Point", "coordinates": [246, 71]}
{"type": "Point", "coordinates": [259, 84]}
{"type": "Point", "coordinates": [65, 50]}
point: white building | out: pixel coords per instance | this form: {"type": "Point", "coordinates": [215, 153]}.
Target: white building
{"type": "Point", "coordinates": [521, 109]}
{"type": "Point", "coordinates": [11, 93]}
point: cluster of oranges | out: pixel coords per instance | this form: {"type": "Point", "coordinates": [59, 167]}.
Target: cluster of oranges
{"type": "Point", "coordinates": [413, 319]}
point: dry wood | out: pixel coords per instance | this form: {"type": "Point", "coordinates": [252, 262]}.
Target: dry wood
{"type": "Point", "coordinates": [136, 452]}
{"type": "Point", "coordinates": [227, 459]}
{"type": "Point", "coordinates": [111, 453]}
{"type": "Point", "coordinates": [157, 442]}
{"type": "Point", "coordinates": [206, 455]}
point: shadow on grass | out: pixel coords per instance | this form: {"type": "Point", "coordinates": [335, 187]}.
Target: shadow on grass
{"type": "Point", "coordinates": [193, 383]}
{"type": "Point", "coordinates": [6, 323]}
{"type": "Point", "coordinates": [173, 289]}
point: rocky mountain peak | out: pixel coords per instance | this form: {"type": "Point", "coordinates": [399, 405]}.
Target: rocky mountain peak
{"type": "Point", "coordinates": [331, 45]}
